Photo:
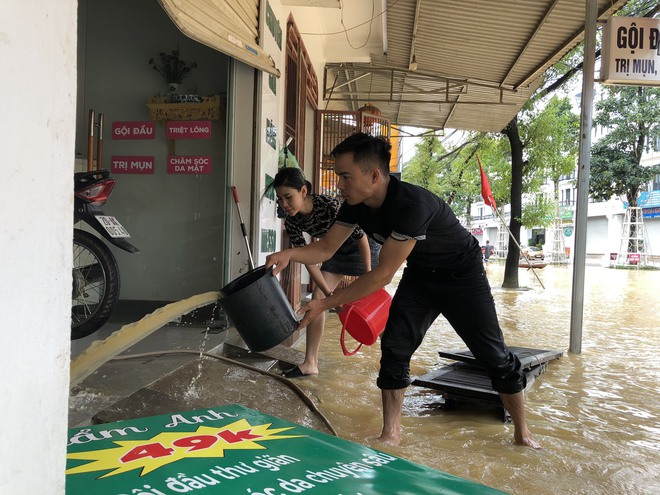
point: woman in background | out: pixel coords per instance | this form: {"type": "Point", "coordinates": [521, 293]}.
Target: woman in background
{"type": "Point", "coordinates": [314, 214]}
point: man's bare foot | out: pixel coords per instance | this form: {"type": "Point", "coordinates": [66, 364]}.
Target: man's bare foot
{"type": "Point", "coordinates": [526, 440]}
{"type": "Point", "coordinates": [393, 440]}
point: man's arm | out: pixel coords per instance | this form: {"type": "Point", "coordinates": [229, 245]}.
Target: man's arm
{"type": "Point", "coordinates": [311, 254]}
{"type": "Point", "coordinates": [392, 256]}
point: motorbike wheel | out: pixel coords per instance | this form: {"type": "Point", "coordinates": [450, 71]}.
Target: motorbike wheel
{"type": "Point", "coordinates": [95, 284]}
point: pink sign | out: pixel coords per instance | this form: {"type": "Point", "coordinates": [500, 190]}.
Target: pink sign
{"type": "Point", "coordinates": [188, 164]}
{"type": "Point", "coordinates": [189, 129]}
{"type": "Point", "coordinates": [132, 164]}
{"type": "Point", "coordinates": [634, 258]}
{"type": "Point", "coordinates": [133, 130]}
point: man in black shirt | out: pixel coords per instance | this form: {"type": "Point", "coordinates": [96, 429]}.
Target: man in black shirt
{"type": "Point", "coordinates": [444, 275]}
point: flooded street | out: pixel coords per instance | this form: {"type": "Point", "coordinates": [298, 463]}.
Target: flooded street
{"type": "Point", "coordinates": [596, 414]}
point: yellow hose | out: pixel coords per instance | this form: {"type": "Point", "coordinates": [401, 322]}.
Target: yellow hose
{"type": "Point", "coordinates": [101, 351]}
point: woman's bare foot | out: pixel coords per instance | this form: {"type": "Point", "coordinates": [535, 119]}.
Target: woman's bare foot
{"type": "Point", "coordinates": [297, 372]}
{"type": "Point", "coordinates": [309, 370]}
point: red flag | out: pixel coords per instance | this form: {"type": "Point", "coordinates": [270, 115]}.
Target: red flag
{"type": "Point", "coordinates": [486, 193]}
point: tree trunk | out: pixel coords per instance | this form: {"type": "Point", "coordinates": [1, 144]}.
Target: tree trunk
{"type": "Point", "coordinates": [511, 267]}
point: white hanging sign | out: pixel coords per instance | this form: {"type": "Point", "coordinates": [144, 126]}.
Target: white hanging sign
{"type": "Point", "coordinates": [631, 51]}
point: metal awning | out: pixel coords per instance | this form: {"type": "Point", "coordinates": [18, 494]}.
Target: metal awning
{"type": "Point", "coordinates": [229, 26]}
{"type": "Point", "coordinates": [461, 65]}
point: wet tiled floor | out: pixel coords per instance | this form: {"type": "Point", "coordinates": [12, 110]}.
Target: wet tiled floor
{"type": "Point", "coordinates": [118, 379]}
{"type": "Point", "coordinates": [160, 379]}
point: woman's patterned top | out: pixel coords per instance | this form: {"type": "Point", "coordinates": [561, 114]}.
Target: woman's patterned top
{"type": "Point", "coordinates": [324, 211]}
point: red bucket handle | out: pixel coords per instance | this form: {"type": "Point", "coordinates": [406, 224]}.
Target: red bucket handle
{"type": "Point", "coordinates": [341, 339]}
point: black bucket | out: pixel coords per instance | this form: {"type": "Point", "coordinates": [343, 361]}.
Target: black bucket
{"type": "Point", "coordinates": [259, 309]}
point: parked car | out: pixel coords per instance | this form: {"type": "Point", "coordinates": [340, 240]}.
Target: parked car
{"type": "Point", "coordinates": [533, 253]}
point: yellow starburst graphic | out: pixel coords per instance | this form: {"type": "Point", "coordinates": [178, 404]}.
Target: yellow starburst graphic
{"type": "Point", "coordinates": [169, 447]}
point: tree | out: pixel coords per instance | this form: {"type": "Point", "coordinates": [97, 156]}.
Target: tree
{"type": "Point", "coordinates": [554, 156]}
{"type": "Point", "coordinates": [459, 180]}
{"type": "Point", "coordinates": [543, 143]}
{"type": "Point", "coordinates": [511, 267]}
{"type": "Point", "coordinates": [424, 167]}
{"type": "Point", "coordinates": [554, 79]}
{"type": "Point", "coordinates": [445, 173]}
{"type": "Point", "coordinates": [631, 117]}
{"type": "Point", "coordinates": [540, 142]}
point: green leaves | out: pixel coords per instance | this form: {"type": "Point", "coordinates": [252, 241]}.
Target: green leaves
{"type": "Point", "coordinates": [424, 168]}
{"type": "Point", "coordinates": [630, 116]}
{"type": "Point", "coordinates": [549, 140]}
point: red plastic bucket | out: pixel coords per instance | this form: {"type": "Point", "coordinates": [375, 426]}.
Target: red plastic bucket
{"type": "Point", "coordinates": [365, 319]}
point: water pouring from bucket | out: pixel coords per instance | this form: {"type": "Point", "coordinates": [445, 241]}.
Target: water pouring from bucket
{"type": "Point", "coordinates": [365, 319]}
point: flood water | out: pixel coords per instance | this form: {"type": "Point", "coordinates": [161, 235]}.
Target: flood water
{"type": "Point", "coordinates": [596, 413]}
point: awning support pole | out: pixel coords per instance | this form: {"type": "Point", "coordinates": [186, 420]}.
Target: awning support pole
{"type": "Point", "coordinates": [577, 303]}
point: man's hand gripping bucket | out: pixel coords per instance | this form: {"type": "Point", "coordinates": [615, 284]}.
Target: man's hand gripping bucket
{"type": "Point", "coordinates": [365, 319]}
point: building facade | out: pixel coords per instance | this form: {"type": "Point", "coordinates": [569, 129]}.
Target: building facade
{"type": "Point", "coordinates": [605, 221]}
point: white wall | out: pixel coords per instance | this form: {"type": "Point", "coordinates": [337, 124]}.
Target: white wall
{"type": "Point", "coordinates": [37, 125]}
{"type": "Point", "coordinates": [240, 137]}
{"type": "Point", "coordinates": [271, 108]}
{"type": "Point", "coordinates": [365, 37]}
{"type": "Point", "coordinates": [176, 220]}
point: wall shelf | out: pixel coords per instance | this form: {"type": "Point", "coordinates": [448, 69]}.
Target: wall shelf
{"type": "Point", "coordinates": [207, 109]}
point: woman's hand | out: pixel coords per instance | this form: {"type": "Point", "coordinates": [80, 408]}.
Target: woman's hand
{"type": "Point", "coordinates": [365, 252]}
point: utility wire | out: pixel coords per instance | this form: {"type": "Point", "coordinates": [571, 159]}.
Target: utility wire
{"type": "Point", "coordinates": [356, 26]}
{"type": "Point", "coordinates": [371, 21]}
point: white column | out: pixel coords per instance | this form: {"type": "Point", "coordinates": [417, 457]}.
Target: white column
{"type": "Point", "coordinates": [577, 302]}
{"type": "Point", "coordinates": [37, 129]}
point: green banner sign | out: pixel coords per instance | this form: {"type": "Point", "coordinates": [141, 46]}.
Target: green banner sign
{"type": "Point", "coordinates": [235, 450]}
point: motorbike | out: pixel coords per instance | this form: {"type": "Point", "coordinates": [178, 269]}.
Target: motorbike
{"type": "Point", "coordinates": [96, 281]}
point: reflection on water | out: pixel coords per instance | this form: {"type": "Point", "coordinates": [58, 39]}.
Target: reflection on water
{"type": "Point", "coordinates": [596, 413]}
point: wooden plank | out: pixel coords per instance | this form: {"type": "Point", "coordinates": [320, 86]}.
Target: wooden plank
{"type": "Point", "coordinates": [529, 357]}
{"type": "Point", "coordinates": [462, 380]}
{"type": "Point", "coordinates": [466, 381]}
{"type": "Point", "coordinates": [458, 379]}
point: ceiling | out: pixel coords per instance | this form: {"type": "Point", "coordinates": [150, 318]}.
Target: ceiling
{"type": "Point", "coordinates": [477, 61]}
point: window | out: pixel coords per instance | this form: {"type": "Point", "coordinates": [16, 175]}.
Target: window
{"type": "Point", "coordinates": [301, 88]}
{"type": "Point", "coordinates": [656, 182]}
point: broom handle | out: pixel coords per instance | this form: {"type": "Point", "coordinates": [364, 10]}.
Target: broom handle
{"type": "Point", "coordinates": [240, 217]}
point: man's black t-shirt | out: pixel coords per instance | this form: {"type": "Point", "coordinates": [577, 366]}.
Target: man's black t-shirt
{"type": "Point", "coordinates": [412, 212]}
